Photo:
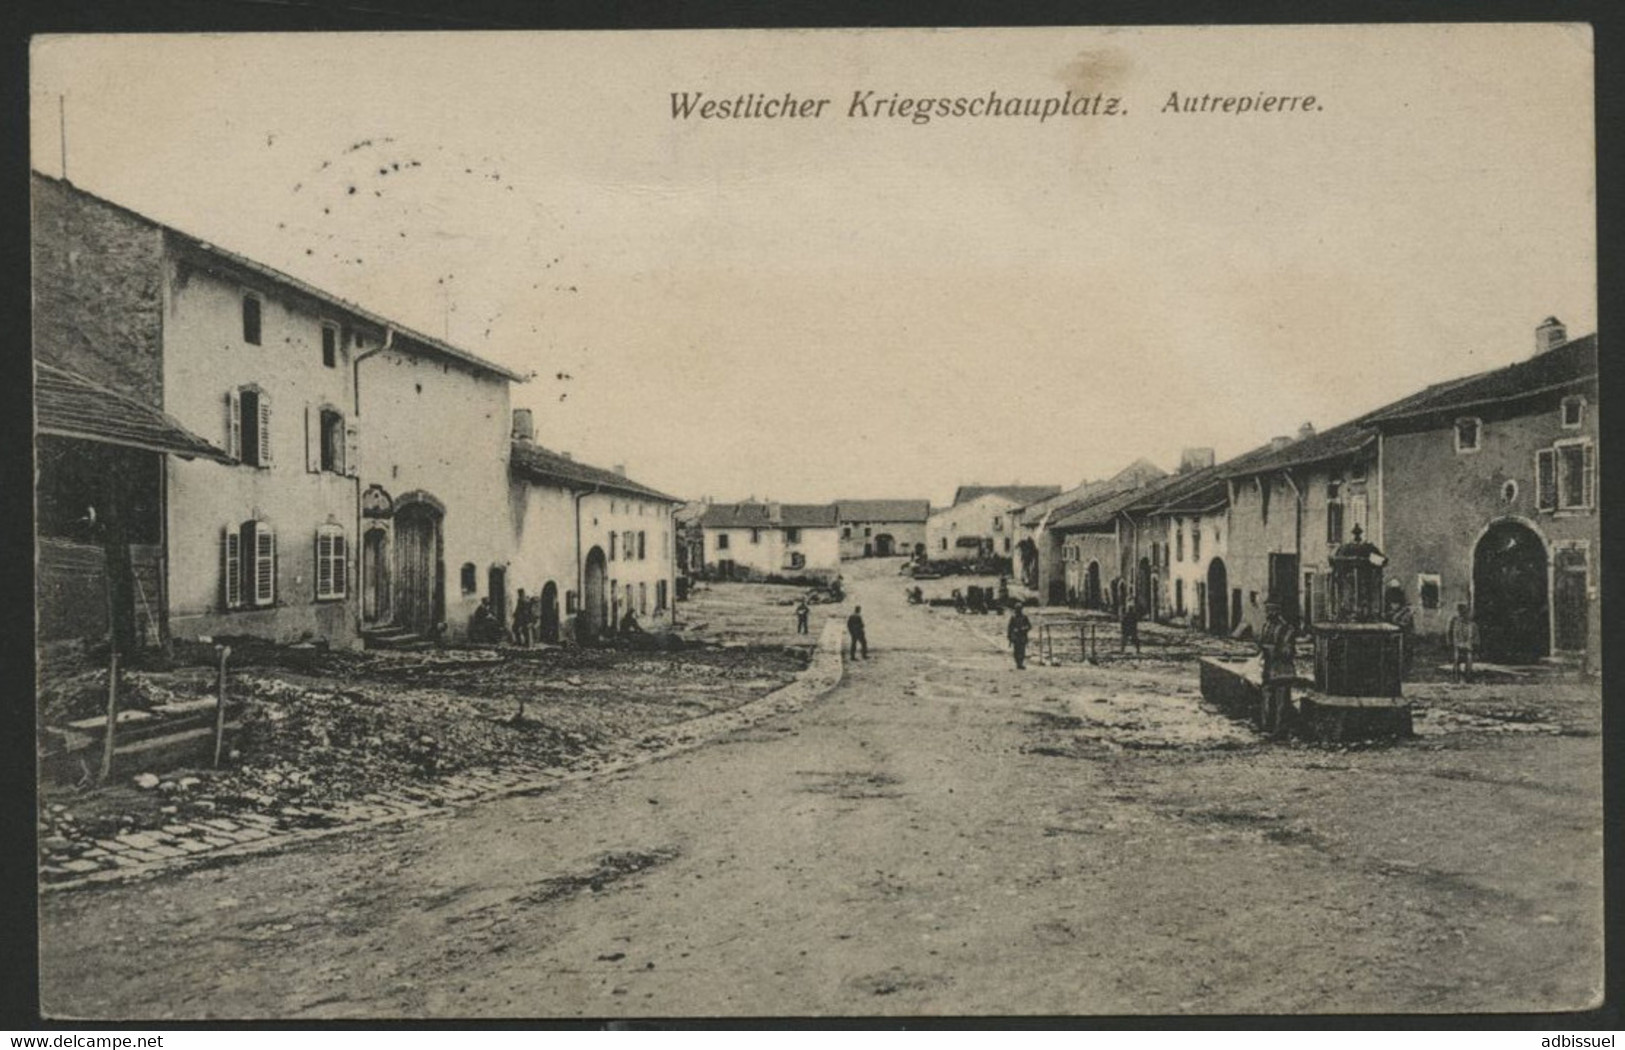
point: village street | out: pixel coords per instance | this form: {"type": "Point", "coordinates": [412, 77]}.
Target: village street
{"type": "Point", "coordinates": [940, 834]}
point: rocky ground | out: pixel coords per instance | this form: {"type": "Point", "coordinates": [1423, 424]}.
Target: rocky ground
{"type": "Point", "coordinates": [325, 735]}
{"type": "Point", "coordinates": [940, 834]}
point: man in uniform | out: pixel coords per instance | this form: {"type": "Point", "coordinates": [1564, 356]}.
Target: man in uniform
{"type": "Point", "coordinates": [1277, 645]}
{"type": "Point", "coordinates": [854, 627]}
{"type": "Point", "coordinates": [1017, 630]}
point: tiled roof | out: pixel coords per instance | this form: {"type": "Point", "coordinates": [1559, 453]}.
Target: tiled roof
{"type": "Point", "coordinates": [1573, 361]}
{"type": "Point", "coordinates": [429, 343]}
{"type": "Point", "coordinates": [1101, 511]}
{"type": "Point", "coordinates": [883, 509]}
{"type": "Point", "coordinates": [1178, 487]}
{"type": "Point", "coordinates": [1021, 495]}
{"type": "Point", "coordinates": [530, 460]}
{"type": "Point", "coordinates": [69, 405]}
{"type": "Point", "coordinates": [1212, 496]}
{"type": "Point", "coordinates": [1341, 440]}
{"type": "Point", "coordinates": [755, 516]}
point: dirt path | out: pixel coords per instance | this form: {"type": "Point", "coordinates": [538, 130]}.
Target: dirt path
{"type": "Point", "coordinates": [939, 835]}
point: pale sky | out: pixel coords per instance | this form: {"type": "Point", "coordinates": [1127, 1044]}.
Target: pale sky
{"type": "Point", "coordinates": [809, 309]}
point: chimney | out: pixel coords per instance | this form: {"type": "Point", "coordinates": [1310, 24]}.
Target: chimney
{"type": "Point", "coordinates": [524, 426]}
{"type": "Point", "coordinates": [1306, 431]}
{"type": "Point", "coordinates": [620, 468]}
{"type": "Point", "coordinates": [775, 513]}
{"type": "Point", "coordinates": [1195, 459]}
{"type": "Point", "coordinates": [1549, 334]}
{"type": "Point", "coordinates": [1279, 442]}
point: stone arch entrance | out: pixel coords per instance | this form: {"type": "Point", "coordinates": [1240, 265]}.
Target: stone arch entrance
{"type": "Point", "coordinates": [883, 545]}
{"type": "Point", "coordinates": [420, 599]}
{"type": "Point", "coordinates": [549, 623]}
{"type": "Point", "coordinates": [1511, 594]}
{"type": "Point", "coordinates": [1218, 593]}
{"type": "Point", "coordinates": [595, 595]}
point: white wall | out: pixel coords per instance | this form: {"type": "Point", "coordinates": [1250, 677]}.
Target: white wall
{"type": "Point", "coordinates": [204, 356]}
{"type": "Point", "coordinates": [769, 554]}
{"type": "Point", "coordinates": [986, 516]}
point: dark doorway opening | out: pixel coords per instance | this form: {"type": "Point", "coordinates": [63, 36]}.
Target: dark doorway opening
{"type": "Point", "coordinates": [1510, 594]}
{"type": "Point", "coordinates": [1218, 589]}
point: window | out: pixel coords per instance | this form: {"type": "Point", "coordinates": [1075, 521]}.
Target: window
{"type": "Point", "coordinates": [642, 539]}
{"type": "Point", "coordinates": [1576, 465]}
{"type": "Point", "coordinates": [944, 543]}
{"type": "Point", "coordinates": [792, 535]}
{"type": "Point", "coordinates": [660, 595]}
{"type": "Point", "coordinates": [1264, 499]}
{"type": "Point", "coordinates": [756, 535]}
{"type": "Point", "coordinates": [998, 525]}
{"type": "Point", "coordinates": [798, 560]}
{"type": "Point", "coordinates": [1179, 539]}
{"type": "Point", "coordinates": [330, 438]}
{"type": "Point", "coordinates": [613, 538]}
{"type": "Point", "coordinates": [722, 541]}
{"type": "Point", "coordinates": [330, 563]}
{"type": "Point", "coordinates": [1196, 540]}
{"type": "Point", "coordinates": [330, 346]}
{"type": "Point", "coordinates": [1509, 492]}
{"type": "Point", "coordinates": [251, 319]}
{"type": "Point", "coordinates": [1469, 431]}
{"type": "Point", "coordinates": [643, 599]}
{"type": "Point", "coordinates": [1334, 521]}
{"type": "Point", "coordinates": [1574, 411]}
{"type": "Point", "coordinates": [1179, 597]}
{"type": "Point", "coordinates": [570, 601]}
{"type": "Point", "coordinates": [469, 578]}
{"type": "Point", "coordinates": [846, 532]}
{"type": "Point", "coordinates": [1427, 588]}
{"type": "Point", "coordinates": [867, 531]}
{"type": "Point", "coordinates": [248, 426]}
{"type": "Point", "coordinates": [1007, 545]}
{"type": "Point", "coordinates": [665, 545]}
{"type": "Point", "coordinates": [248, 565]}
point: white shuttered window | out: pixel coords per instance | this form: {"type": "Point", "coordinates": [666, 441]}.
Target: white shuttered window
{"type": "Point", "coordinates": [331, 555]}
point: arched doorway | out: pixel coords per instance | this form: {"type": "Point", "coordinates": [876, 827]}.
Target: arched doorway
{"type": "Point", "coordinates": [1028, 552]}
{"type": "Point", "coordinates": [419, 567]}
{"type": "Point", "coordinates": [883, 545]}
{"type": "Point", "coordinates": [1218, 591]}
{"type": "Point", "coordinates": [1091, 587]}
{"type": "Point", "coordinates": [919, 550]}
{"type": "Point", "coordinates": [595, 597]}
{"type": "Point", "coordinates": [1510, 594]}
{"type": "Point", "coordinates": [1142, 587]}
{"type": "Point", "coordinates": [375, 575]}
{"type": "Point", "coordinates": [550, 613]}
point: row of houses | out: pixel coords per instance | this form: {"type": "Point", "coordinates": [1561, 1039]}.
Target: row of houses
{"type": "Point", "coordinates": [224, 450]}
{"type": "Point", "coordinates": [1479, 490]}
{"type": "Point", "coordinates": [758, 540]}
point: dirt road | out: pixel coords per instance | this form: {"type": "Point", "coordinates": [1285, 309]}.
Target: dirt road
{"type": "Point", "coordinates": [940, 834]}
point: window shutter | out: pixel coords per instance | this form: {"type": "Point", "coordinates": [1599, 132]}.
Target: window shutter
{"type": "Point", "coordinates": [265, 429]}
{"type": "Point", "coordinates": [313, 439]}
{"type": "Point", "coordinates": [1546, 479]}
{"type": "Point", "coordinates": [643, 536]}
{"type": "Point", "coordinates": [352, 453]}
{"type": "Point", "coordinates": [1591, 476]}
{"type": "Point", "coordinates": [340, 566]}
{"type": "Point", "coordinates": [264, 564]}
{"type": "Point", "coordinates": [324, 564]}
{"type": "Point", "coordinates": [231, 567]}
{"type": "Point", "coordinates": [234, 424]}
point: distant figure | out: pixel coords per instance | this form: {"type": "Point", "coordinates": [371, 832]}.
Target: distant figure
{"type": "Point", "coordinates": [1462, 634]}
{"type": "Point", "coordinates": [483, 626]}
{"type": "Point", "coordinates": [959, 600]}
{"type": "Point", "coordinates": [1278, 646]}
{"type": "Point", "coordinates": [1130, 621]}
{"type": "Point", "coordinates": [523, 619]}
{"type": "Point", "coordinates": [803, 613]}
{"type": "Point", "coordinates": [1401, 615]}
{"type": "Point", "coordinates": [1004, 588]}
{"type": "Point", "coordinates": [1017, 630]}
{"type": "Point", "coordinates": [629, 623]}
{"type": "Point", "coordinates": [854, 627]}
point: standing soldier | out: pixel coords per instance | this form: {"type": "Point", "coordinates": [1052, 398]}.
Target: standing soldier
{"type": "Point", "coordinates": [1277, 646]}
{"type": "Point", "coordinates": [1131, 626]}
{"type": "Point", "coordinates": [802, 613]}
{"type": "Point", "coordinates": [854, 627]}
{"type": "Point", "coordinates": [1462, 633]}
{"type": "Point", "coordinates": [1017, 631]}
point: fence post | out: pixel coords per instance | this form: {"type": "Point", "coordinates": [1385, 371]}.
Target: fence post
{"type": "Point", "coordinates": [112, 712]}
{"type": "Point", "coordinates": [220, 705]}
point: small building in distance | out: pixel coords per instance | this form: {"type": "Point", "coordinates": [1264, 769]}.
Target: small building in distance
{"type": "Point", "coordinates": [881, 528]}
{"type": "Point", "coordinates": [979, 523]}
{"type": "Point", "coordinates": [769, 540]}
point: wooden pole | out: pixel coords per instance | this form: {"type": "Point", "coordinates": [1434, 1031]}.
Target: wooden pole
{"type": "Point", "coordinates": [220, 705]}
{"type": "Point", "coordinates": [112, 711]}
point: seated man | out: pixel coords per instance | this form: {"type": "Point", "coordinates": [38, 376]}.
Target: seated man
{"type": "Point", "coordinates": [629, 623]}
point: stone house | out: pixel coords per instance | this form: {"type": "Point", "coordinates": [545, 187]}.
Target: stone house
{"type": "Point", "coordinates": [1108, 552]}
{"type": "Point", "coordinates": [1193, 514]}
{"type": "Point", "coordinates": [1039, 561]}
{"type": "Point", "coordinates": [1491, 498]}
{"type": "Point", "coordinates": [270, 369]}
{"type": "Point", "coordinates": [881, 528]}
{"type": "Point", "coordinates": [760, 541]}
{"type": "Point", "coordinates": [979, 522]}
{"type": "Point", "coordinates": [589, 543]}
